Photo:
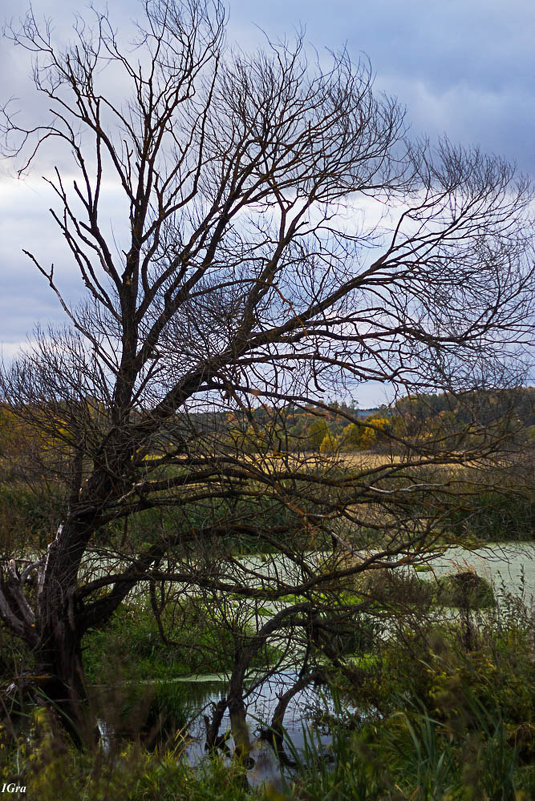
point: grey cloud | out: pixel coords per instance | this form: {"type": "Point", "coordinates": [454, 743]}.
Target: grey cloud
{"type": "Point", "coordinates": [501, 123]}
{"type": "Point", "coordinates": [25, 297]}
{"type": "Point", "coordinates": [461, 69]}
{"type": "Point", "coordinates": [464, 69]}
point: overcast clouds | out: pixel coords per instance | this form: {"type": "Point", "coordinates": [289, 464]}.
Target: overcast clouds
{"type": "Point", "coordinates": [464, 68]}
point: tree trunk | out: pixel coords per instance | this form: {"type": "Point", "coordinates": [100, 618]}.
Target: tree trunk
{"type": "Point", "coordinates": [213, 740]}
{"type": "Point", "coordinates": [275, 736]}
{"type": "Point", "coordinates": [60, 625]}
{"type": "Point", "coordinates": [60, 681]}
{"type": "Point", "coordinates": [236, 706]}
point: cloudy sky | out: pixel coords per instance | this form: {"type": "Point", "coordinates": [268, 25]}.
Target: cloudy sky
{"type": "Point", "coordinates": [465, 68]}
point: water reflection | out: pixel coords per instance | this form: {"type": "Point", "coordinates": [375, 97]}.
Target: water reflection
{"type": "Point", "coordinates": [300, 723]}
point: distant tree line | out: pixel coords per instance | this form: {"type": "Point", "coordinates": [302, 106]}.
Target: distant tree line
{"type": "Point", "coordinates": [460, 418]}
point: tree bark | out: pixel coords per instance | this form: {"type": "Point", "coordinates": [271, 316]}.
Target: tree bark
{"type": "Point", "coordinates": [213, 740]}
{"type": "Point", "coordinates": [60, 676]}
{"type": "Point", "coordinates": [61, 681]}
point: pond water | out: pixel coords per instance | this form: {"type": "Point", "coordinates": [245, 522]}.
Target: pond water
{"type": "Point", "coordinates": [300, 722]}
{"type": "Point", "coordinates": [508, 566]}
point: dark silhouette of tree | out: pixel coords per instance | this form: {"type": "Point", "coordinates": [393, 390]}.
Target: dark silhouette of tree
{"type": "Point", "coordinates": [282, 242]}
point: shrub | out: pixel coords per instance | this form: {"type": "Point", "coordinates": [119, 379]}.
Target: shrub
{"type": "Point", "coordinates": [465, 590]}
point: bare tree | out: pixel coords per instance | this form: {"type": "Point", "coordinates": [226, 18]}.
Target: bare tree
{"type": "Point", "coordinates": [283, 241]}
